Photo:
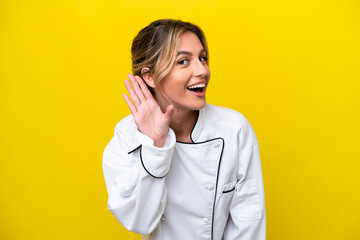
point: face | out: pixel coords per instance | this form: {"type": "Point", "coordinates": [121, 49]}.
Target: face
{"type": "Point", "coordinates": [187, 81]}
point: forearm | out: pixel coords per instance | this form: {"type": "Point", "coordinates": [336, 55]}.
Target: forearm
{"type": "Point", "coordinates": [136, 180]}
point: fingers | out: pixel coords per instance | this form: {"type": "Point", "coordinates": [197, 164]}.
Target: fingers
{"type": "Point", "coordinates": [133, 96]}
{"type": "Point", "coordinates": [130, 104]}
{"type": "Point", "coordinates": [137, 89]}
{"type": "Point", "coordinates": [144, 88]}
{"type": "Point", "coordinates": [169, 111]}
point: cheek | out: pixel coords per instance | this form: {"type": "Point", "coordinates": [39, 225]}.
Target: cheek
{"type": "Point", "coordinates": [177, 82]}
{"type": "Point", "coordinates": [181, 76]}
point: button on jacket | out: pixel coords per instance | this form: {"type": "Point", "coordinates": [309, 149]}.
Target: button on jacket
{"type": "Point", "coordinates": [209, 189]}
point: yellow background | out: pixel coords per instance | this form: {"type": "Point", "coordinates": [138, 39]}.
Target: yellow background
{"type": "Point", "coordinates": [291, 67]}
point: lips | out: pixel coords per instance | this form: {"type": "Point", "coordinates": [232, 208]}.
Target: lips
{"type": "Point", "coordinates": [197, 86]}
{"type": "Point", "coordinates": [198, 89]}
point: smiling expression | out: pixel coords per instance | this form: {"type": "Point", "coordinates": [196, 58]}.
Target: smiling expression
{"type": "Point", "coordinates": [187, 81]}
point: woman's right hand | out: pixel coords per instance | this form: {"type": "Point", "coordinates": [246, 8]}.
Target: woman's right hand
{"type": "Point", "coordinates": [147, 114]}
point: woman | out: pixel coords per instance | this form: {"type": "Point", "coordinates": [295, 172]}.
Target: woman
{"type": "Point", "coordinates": [177, 167]}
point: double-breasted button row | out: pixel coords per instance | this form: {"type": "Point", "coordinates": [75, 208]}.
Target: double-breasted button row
{"type": "Point", "coordinates": [205, 220]}
{"type": "Point", "coordinates": [209, 186]}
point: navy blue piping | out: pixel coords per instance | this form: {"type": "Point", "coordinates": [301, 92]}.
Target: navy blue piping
{"type": "Point", "coordinates": [217, 175]}
{"type": "Point", "coordinates": [217, 179]}
{"type": "Point", "coordinates": [197, 118]}
{"type": "Point", "coordinates": [135, 149]}
{"type": "Point", "coordinates": [142, 162]}
{"type": "Point", "coordinates": [227, 191]}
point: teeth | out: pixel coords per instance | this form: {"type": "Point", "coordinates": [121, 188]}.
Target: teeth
{"type": "Point", "coordinates": [201, 85]}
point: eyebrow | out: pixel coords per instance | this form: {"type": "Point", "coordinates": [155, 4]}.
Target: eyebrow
{"type": "Point", "coordinates": [188, 53]}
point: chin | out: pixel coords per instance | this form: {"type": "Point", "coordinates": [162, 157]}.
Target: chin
{"type": "Point", "coordinates": [202, 105]}
{"type": "Point", "coordinates": [197, 105]}
{"type": "Point", "coordinates": [190, 104]}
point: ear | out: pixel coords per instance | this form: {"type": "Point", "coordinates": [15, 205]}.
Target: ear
{"type": "Point", "coordinates": [148, 77]}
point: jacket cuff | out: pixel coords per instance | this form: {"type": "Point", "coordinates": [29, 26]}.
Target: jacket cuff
{"type": "Point", "coordinates": [156, 161]}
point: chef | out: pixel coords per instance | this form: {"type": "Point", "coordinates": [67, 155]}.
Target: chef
{"type": "Point", "coordinates": [178, 167]}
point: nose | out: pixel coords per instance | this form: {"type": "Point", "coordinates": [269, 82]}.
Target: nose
{"type": "Point", "coordinates": [200, 69]}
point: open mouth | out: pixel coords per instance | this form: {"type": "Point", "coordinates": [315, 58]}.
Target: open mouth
{"type": "Point", "coordinates": [198, 88]}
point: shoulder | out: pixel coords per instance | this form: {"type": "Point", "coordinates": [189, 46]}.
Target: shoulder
{"type": "Point", "coordinates": [126, 124]}
{"type": "Point", "coordinates": [127, 134]}
{"type": "Point", "coordinates": [225, 116]}
{"type": "Point", "coordinates": [232, 122]}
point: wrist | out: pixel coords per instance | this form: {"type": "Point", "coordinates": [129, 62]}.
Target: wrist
{"type": "Point", "coordinates": [159, 142]}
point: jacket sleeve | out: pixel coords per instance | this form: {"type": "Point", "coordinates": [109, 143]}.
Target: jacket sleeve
{"type": "Point", "coordinates": [135, 178]}
{"type": "Point", "coordinates": [247, 220]}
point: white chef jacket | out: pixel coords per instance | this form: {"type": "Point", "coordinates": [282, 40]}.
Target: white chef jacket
{"type": "Point", "coordinates": [209, 189]}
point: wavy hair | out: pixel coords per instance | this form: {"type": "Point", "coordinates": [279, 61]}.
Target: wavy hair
{"type": "Point", "coordinates": [155, 47]}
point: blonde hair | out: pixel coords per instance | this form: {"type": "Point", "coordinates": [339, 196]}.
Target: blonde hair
{"type": "Point", "coordinates": [156, 46]}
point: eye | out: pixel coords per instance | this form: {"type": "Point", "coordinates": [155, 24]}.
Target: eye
{"type": "Point", "coordinates": [183, 62]}
{"type": "Point", "coordinates": [203, 59]}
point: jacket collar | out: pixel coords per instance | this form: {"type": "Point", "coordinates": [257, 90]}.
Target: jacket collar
{"type": "Point", "coordinates": [198, 134]}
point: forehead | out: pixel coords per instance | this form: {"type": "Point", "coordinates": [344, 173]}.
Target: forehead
{"type": "Point", "coordinates": [190, 42]}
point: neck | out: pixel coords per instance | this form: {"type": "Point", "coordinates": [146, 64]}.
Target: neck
{"type": "Point", "coordinates": [182, 123]}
